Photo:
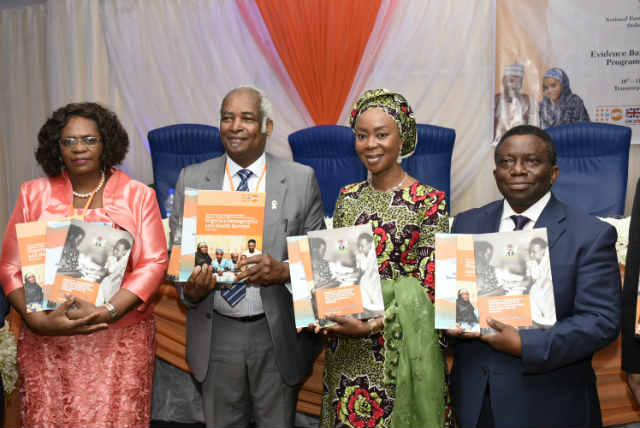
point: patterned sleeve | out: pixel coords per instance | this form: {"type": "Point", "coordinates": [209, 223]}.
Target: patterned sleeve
{"type": "Point", "coordinates": [338, 212]}
{"type": "Point", "coordinates": [435, 219]}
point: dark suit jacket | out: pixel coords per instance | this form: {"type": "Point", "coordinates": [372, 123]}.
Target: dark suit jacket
{"type": "Point", "coordinates": [630, 344]}
{"type": "Point", "coordinates": [298, 209]}
{"type": "Point", "coordinates": [553, 384]}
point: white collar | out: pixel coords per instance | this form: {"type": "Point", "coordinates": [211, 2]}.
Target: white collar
{"type": "Point", "coordinates": [256, 167]}
{"type": "Point", "coordinates": [532, 213]}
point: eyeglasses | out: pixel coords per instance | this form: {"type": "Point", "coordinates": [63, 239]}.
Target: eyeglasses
{"type": "Point", "coordinates": [88, 141]}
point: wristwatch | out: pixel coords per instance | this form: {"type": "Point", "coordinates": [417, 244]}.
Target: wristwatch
{"type": "Point", "coordinates": [112, 311]}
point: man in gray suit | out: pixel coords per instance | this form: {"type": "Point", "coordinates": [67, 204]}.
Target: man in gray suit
{"type": "Point", "coordinates": [242, 343]}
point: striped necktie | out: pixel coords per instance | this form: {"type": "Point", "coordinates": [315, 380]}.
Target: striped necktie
{"type": "Point", "coordinates": [237, 292]}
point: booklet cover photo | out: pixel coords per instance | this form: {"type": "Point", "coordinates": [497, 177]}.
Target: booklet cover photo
{"type": "Point", "coordinates": [92, 262]}
{"type": "Point", "coordinates": [334, 272]}
{"type": "Point", "coordinates": [219, 228]}
{"type": "Point", "coordinates": [504, 275]}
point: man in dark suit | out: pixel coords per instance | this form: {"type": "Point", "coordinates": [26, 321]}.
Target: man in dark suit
{"type": "Point", "coordinates": [540, 377]}
{"type": "Point", "coordinates": [242, 344]}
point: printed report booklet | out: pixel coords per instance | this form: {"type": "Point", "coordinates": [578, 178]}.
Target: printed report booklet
{"type": "Point", "coordinates": [92, 262]}
{"type": "Point", "coordinates": [37, 261]}
{"type": "Point", "coordinates": [335, 272]}
{"type": "Point", "coordinates": [223, 227]}
{"type": "Point", "coordinates": [504, 275]}
{"type": "Point", "coordinates": [31, 246]}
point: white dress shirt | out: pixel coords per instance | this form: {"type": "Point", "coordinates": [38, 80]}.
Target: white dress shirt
{"type": "Point", "coordinates": [256, 168]}
{"type": "Point", "coordinates": [252, 302]}
{"type": "Point", "coordinates": [533, 213]}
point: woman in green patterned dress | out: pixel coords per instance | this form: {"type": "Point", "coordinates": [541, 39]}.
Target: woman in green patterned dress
{"type": "Point", "coordinates": [389, 372]}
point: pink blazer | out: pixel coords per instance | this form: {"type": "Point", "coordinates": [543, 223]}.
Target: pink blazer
{"type": "Point", "coordinates": [128, 203]}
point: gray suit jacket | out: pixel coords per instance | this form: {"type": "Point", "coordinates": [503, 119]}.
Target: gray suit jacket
{"type": "Point", "coordinates": [297, 210]}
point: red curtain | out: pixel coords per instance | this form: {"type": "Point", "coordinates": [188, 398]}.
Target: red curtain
{"type": "Point", "coordinates": [321, 45]}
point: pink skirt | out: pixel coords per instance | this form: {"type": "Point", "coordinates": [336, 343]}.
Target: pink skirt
{"type": "Point", "coordinates": [99, 380]}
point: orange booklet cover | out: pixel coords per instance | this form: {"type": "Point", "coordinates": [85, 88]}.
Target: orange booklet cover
{"type": "Point", "coordinates": [31, 246]}
{"type": "Point", "coordinates": [32, 238]}
{"type": "Point", "coordinates": [223, 227]}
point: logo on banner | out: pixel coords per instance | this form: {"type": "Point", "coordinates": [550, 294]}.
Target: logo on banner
{"type": "Point", "coordinates": [618, 114]}
{"type": "Point", "coordinates": [632, 115]}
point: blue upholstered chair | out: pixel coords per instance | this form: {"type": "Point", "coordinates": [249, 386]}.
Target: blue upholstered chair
{"type": "Point", "coordinates": [175, 146]}
{"type": "Point", "coordinates": [330, 151]}
{"type": "Point", "coordinates": [594, 164]}
{"type": "Point", "coordinates": [431, 163]}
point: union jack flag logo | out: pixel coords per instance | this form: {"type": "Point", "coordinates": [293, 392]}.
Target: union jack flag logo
{"type": "Point", "coordinates": [633, 113]}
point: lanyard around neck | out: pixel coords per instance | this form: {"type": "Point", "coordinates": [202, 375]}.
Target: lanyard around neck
{"type": "Point", "coordinates": [86, 206]}
{"type": "Point", "coordinates": [226, 167]}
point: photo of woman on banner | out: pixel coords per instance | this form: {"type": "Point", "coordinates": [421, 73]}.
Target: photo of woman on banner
{"type": "Point", "coordinates": [559, 105]}
{"type": "Point", "coordinates": [512, 107]}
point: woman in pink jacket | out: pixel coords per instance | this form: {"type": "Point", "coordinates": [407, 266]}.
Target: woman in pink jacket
{"type": "Point", "coordinates": [80, 364]}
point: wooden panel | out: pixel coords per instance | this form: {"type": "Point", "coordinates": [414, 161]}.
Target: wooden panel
{"type": "Point", "coordinates": [171, 321]}
{"type": "Point", "coordinates": [616, 399]}
{"type": "Point", "coordinates": [172, 330]}
{"type": "Point", "coordinates": [310, 396]}
{"type": "Point", "coordinates": [172, 358]}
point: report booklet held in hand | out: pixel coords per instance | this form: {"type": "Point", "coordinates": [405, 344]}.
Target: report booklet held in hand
{"type": "Point", "coordinates": [334, 272]}
{"type": "Point", "coordinates": [504, 275]}
{"type": "Point", "coordinates": [219, 228]}
{"type": "Point", "coordinates": [92, 263]}
{"type": "Point", "coordinates": [31, 246]}
{"type": "Point", "coordinates": [38, 264]}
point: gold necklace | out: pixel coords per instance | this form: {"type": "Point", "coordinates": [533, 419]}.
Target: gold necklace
{"type": "Point", "coordinates": [391, 189]}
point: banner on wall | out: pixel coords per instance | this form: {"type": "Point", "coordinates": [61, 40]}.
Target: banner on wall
{"type": "Point", "coordinates": [566, 61]}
